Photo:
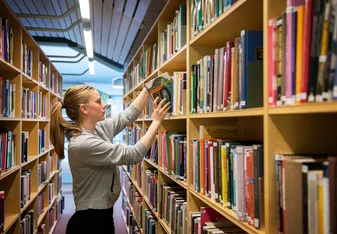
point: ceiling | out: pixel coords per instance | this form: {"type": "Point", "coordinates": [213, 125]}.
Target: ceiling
{"type": "Point", "coordinates": [118, 29]}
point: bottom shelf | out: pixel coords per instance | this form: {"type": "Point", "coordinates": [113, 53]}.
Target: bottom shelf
{"type": "Point", "coordinates": [228, 213]}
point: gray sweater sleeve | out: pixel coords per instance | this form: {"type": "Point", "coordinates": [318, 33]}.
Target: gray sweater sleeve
{"type": "Point", "coordinates": [93, 151]}
{"type": "Point", "coordinates": [116, 124]}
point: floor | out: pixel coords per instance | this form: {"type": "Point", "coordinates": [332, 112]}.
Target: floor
{"type": "Point", "coordinates": [69, 209]}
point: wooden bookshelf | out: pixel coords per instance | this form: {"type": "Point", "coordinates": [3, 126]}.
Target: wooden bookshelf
{"type": "Point", "coordinates": [50, 91]}
{"type": "Point", "coordinates": [294, 129]}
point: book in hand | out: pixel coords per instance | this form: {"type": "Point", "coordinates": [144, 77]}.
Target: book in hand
{"type": "Point", "coordinates": [161, 87]}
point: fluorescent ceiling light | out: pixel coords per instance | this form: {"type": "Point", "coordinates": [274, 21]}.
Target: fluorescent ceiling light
{"type": "Point", "coordinates": [117, 83]}
{"type": "Point", "coordinates": [91, 67]}
{"type": "Point", "coordinates": [88, 43]}
{"type": "Point", "coordinates": [84, 8]}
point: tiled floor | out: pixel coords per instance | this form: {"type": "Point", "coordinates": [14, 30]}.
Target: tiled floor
{"type": "Point", "coordinates": [69, 209]}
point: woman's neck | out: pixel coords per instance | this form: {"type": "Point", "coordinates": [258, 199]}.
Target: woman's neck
{"type": "Point", "coordinates": [88, 125]}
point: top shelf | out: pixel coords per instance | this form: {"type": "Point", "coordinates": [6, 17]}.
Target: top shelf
{"type": "Point", "coordinates": [244, 14]}
{"type": "Point", "coordinates": [306, 108]}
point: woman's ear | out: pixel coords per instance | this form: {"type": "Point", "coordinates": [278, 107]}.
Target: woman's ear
{"type": "Point", "coordinates": [83, 109]}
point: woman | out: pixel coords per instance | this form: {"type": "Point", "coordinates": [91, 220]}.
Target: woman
{"type": "Point", "coordinates": [93, 158]}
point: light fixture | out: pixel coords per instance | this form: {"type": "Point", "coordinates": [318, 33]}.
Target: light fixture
{"type": "Point", "coordinates": [91, 68]}
{"type": "Point", "coordinates": [88, 43]}
{"type": "Point", "coordinates": [117, 83]}
{"type": "Point", "coordinates": [85, 13]}
{"type": "Point", "coordinates": [85, 9]}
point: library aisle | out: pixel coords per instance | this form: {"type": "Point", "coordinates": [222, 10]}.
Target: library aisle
{"type": "Point", "coordinates": [69, 209]}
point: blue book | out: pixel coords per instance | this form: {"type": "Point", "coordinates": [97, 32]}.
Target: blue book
{"type": "Point", "coordinates": [252, 51]}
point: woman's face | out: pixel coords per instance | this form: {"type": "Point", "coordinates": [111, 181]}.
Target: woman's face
{"type": "Point", "coordinates": [96, 108]}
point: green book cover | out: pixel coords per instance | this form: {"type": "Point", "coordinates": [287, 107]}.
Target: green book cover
{"type": "Point", "coordinates": [161, 87]}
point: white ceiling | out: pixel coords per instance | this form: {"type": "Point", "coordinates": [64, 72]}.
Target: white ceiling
{"type": "Point", "coordinates": [119, 27]}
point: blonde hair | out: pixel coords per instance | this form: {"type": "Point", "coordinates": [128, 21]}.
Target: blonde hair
{"type": "Point", "coordinates": [59, 127]}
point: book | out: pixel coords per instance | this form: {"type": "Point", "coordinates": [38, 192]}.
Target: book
{"type": "Point", "coordinates": [161, 87]}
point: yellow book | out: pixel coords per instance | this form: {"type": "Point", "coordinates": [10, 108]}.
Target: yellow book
{"type": "Point", "coordinates": [299, 51]}
{"type": "Point", "coordinates": [224, 175]}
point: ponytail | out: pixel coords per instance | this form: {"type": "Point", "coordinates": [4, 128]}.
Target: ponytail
{"type": "Point", "coordinates": [59, 128]}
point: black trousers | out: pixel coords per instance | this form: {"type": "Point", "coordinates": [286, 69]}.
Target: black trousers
{"type": "Point", "coordinates": [91, 221]}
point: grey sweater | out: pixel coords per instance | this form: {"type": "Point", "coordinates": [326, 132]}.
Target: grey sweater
{"type": "Point", "coordinates": [93, 160]}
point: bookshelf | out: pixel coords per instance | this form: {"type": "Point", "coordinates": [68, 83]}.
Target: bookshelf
{"type": "Point", "coordinates": [31, 173]}
{"type": "Point", "coordinates": [287, 128]}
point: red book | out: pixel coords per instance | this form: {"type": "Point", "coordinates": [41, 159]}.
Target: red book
{"type": "Point", "coordinates": [208, 214]}
{"type": "Point", "coordinates": [308, 9]}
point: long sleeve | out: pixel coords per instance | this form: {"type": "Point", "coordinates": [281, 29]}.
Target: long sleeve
{"type": "Point", "coordinates": [115, 125]}
{"type": "Point", "coordinates": [93, 151]}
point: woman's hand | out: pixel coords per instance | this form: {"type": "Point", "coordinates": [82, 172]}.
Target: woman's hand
{"type": "Point", "coordinates": [160, 110]}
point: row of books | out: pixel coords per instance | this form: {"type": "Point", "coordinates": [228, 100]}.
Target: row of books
{"type": "Point", "coordinates": [59, 181]}
{"type": "Point", "coordinates": [231, 78]}
{"type": "Point", "coordinates": [40, 203]}
{"type": "Point", "coordinates": [303, 53]}
{"type": "Point", "coordinates": [51, 217]}
{"type": "Point", "coordinates": [27, 223]}
{"type": "Point", "coordinates": [148, 63]}
{"type": "Point", "coordinates": [60, 206]}
{"type": "Point", "coordinates": [43, 100]}
{"type": "Point", "coordinates": [132, 214]}
{"type": "Point", "coordinates": [173, 207]}
{"type": "Point", "coordinates": [43, 172]}
{"type": "Point", "coordinates": [7, 149]}
{"type": "Point", "coordinates": [53, 84]}
{"type": "Point", "coordinates": [7, 98]}
{"type": "Point", "coordinates": [173, 37]}
{"type": "Point", "coordinates": [151, 187]}
{"type": "Point", "coordinates": [27, 59]}
{"type": "Point", "coordinates": [26, 187]}
{"type": "Point", "coordinates": [130, 221]}
{"type": "Point", "coordinates": [42, 140]}
{"type": "Point", "coordinates": [43, 74]}
{"type": "Point", "coordinates": [133, 79]}
{"type": "Point", "coordinates": [174, 153]}
{"type": "Point", "coordinates": [209, 221]}
{"type": "Point", "coordinates": [306, 193]}
{"type": "Point", "coordinates": [6, 41]}
{"type": "Point", "coordinates": [45, 77]}
{"type": "Point", "coordinates": [29, 104]}
{"type": "Point", "coordinates": [204, 12]}
{"type": "Point", "coordinates": [132, 197]}
{"type": "Point", "coordinates": [134, 135]}
{"type": "Point", "coordinates": [230, 173]}
{"type": "Point", "coordinates": [151, 222]}
{"type": "Point", "coordinates": [50, 191]}
{"type": "Point", "coordinates": [171, 40]}
{"type": "Point", "coordinates": [152, 154]}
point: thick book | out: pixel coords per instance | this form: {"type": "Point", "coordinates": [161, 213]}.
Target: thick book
{"type": "Point", "coordinates": [161, 87]}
